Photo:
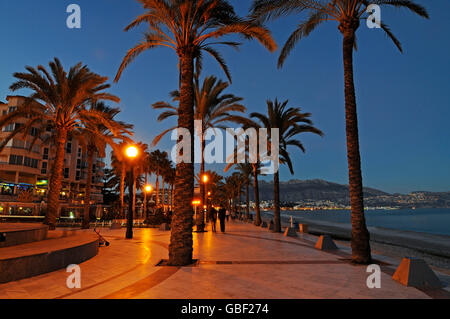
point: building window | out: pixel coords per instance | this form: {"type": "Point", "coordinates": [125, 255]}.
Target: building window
{"type": "Point", "coordinates": [69, 148]}
{"type": "Point", "coordinates": [66, 172]}
{"type": "Point", "coordinates": [45, 154]}
{"type": "Point", "coordinates": [12, 109]}
{"type": "Point", "coordinates": [30, 162]}
{"type": "Point", "coordinates": [78, 175]}
{"type": "Point", "coordinates": [34, 131]}
{"type": "Point", "coordinates": [78, 163]}
{"type": "Point", "coordinates": [44, 168]}
{"type": "Point", "coordinates": [16, 160]}
{"type": "Point", "coordinates": [9, 128]}
{"type": "Point", "coordinates": [79, 152]}
{"type": "Point", "coordinates": [93, 169]}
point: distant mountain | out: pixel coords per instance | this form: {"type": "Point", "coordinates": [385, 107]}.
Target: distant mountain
{"type": "Point", "coordinates": [316, 189]}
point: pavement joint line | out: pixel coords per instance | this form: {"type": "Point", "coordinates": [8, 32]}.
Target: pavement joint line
{"type": "Point", "coordinates": [273, 262]}
{"type": "Point", "coordinates": [164, 245]}
{"type": "Point", "coordinates": [144, 284]}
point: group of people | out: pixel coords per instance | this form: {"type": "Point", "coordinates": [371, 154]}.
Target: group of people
{"type": "Point", "coordinates": [223, 214]}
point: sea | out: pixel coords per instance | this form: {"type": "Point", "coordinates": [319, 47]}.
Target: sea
{"type": "Point", "coordinates": [425, 220]}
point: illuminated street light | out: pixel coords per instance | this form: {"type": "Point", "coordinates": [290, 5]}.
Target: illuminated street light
{"type": "Point", "coordinates": [132, 152]}
{"type": "Point", "coordinates": [148, 188]}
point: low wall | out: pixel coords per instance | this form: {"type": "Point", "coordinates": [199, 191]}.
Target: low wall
{"type": "Point", "coordinates": [16, 234]}
{"type": "Point", "coordinates": [30, 265]}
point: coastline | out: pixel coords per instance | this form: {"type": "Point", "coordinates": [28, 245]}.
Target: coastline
{"type": "Point", "coordinates": [433, 248]}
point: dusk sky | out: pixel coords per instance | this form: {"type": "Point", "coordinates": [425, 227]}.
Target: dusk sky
{"type": "Point", "coordinates": [403, 99]}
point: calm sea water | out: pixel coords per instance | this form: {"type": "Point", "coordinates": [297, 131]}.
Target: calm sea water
{"type": "Point", "coordinates": [435, 220]}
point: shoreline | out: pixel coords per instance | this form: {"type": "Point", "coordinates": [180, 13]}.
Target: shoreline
{"type": "Point", "coordinates": [433, 248]}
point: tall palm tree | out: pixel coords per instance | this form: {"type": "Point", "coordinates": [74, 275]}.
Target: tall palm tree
{"type": "Point", "coordinates": [256, 166]}
{"type": "Point", "coordinates": [58, 103]}
{"type": "Point", "coordinates": [212, 108]}
{"type": "Point", "coordinates": [148, 169]}
{"type": "Point", "coordinates": [290, 122]}
{"type": "Point", "coordinates": [189, 27]}
{"type": "Point", "coordinates": [246, 172]}
{"type": "Point", "coordinates": [118, 164]}
{"type": "Point", "coordinates": [94, 139]}
{"type": "Point", "coordinates": [348, 14]}
{"type": "Point", "coordinates": [159, 161]}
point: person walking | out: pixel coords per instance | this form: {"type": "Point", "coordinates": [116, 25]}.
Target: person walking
{"type": "Point", "coordinates": [227, 214]}
{"type": "Point", "coordinates": [212, 215]}
{"type": "Point", "coordinates": [222, 216]}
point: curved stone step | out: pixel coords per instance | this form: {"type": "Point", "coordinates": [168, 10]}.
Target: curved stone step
{"type": "Point", "coordinates": [12, 234]}
{"type": "Point", "coordinates": [31, 259]}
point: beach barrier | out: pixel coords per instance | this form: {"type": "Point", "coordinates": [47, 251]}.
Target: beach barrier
{"type": "Point", "coordinates": [290, 232]}
{"type": "Point", "coordinates": [414, 272]}
{"type": "Point", "coordinates": [303, 228]}
{"type": "Point", "coordinates": [325, 243]}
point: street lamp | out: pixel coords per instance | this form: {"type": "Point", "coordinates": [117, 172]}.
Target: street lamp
{"type": "Point", "coordinates": [148, 189]}
{"type": "Point", "coordinates": [131, 153]}
{"type": "Point", "coordinates": [205, 181]}
{"type": "Point", "coordinates": [195, 203]}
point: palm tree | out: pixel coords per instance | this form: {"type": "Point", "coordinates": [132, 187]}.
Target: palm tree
{"type": "Point", "coordinates": [94, 140]}
{"type": "Point", "coordinates": [290, 122]}
{"type": "Point", "coordinates": [256, 167]}
{"type": "Point", "coordinates": [246, 171]}
{"type": "Point", "coordinates": [159, 161]}
{"type": "Point", "coordinates": [58, 104]}
{"type": "Point", "coordinates": [148, 168]}
{"type": "Point", "coordinates": [119, 166]}
{"type": "Point", "coordinates": [211, 106]}
{"type": "Point", "coordinates": [189, 27]}
{"type": "Point", "coordinates": [348, 14]}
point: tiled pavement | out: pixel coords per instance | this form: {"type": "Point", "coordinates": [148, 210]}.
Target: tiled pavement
{"type": "Point", "coordinates": [245, 262]}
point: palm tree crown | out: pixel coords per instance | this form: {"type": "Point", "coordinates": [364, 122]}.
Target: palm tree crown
{"type": "Point", "coordinates": [192, 27]}
{"type": "Point", "coordinates": [348, 14]}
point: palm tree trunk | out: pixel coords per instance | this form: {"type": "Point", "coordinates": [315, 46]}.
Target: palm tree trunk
{"type": "Point", "coordinates": [276, 203]}
{"type": "Point", "coordinates": [247, 199]}
{"type": "Point", "coordinates": [134, 193]}
{"type": "Point", "coordinates": [171, 196]}
{"type": "Point", "coordinates": [157, 187]}
{"type": "Point", "coordinates": [360, 235]}
{"type": "Point", "coordinates": [163, 193]}
{"type": "Point", "coordinates": [122, 189]}
{"type": "Point", "coordinates": [256, 186]}
{"type": "Point", "coordinates": [87, 197]}
{"type": "Point", "coordinates": [145, 197]}
{"type": "Point", "coordinates": [239, 200]}
{"type": "Point", "coordinates": [201, 215]}
{"type": "Point", "coordinates": [180, 247]}
{"type": "Point", "coordinates": [56, 180]}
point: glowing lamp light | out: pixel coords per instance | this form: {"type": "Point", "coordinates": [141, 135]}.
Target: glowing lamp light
{"type": "Point", "coordinates": [132, 152]}
{"type": "Point", "coordinates": [205, 178]}
{"type": "Point", "coordinates": [148, 188]}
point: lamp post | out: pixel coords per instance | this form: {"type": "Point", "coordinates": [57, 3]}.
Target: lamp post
{"type": "Point", "coordinates": [148, 189]}
{"type": "Point", "coordinates": [205, 181]}
{"type": "Point", "coordinates": [131, 154]}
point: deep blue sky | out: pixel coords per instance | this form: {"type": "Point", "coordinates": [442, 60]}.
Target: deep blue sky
{"type": "Point", "coordinates": [403, 99]}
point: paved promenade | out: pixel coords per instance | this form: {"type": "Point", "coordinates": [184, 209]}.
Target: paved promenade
{"type": "Point", "coordinates": [245, 262]}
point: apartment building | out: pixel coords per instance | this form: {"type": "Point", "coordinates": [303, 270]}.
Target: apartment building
{"type": "Point", "coordinates": [27, 170]}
